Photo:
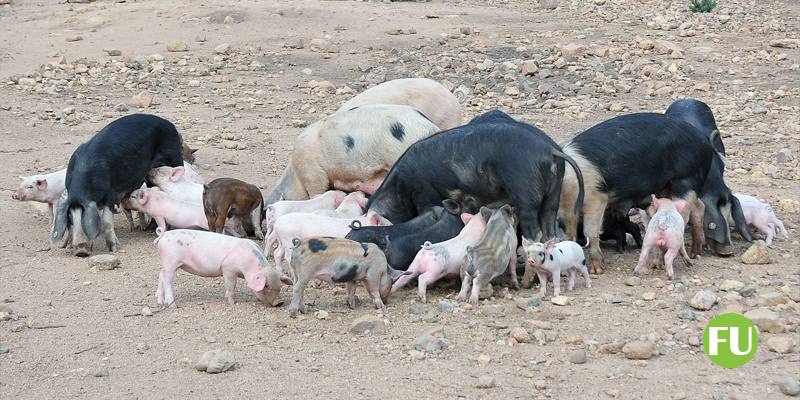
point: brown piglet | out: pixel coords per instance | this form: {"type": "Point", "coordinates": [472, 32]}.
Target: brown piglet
{"type": "Point", "coordinates": [231, 198]}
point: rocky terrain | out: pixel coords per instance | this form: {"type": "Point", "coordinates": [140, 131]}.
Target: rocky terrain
{"type": "Point", "coordinates": [242, 78]}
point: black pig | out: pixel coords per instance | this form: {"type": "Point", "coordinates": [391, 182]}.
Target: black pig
{"type": "Point", "coordinates": [493, 159]}
{"type": "Point", "coordinates": [106, 169]}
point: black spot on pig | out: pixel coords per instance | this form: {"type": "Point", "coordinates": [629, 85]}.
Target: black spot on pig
{"type": "Point", "coordinates": [316, 245]}
{"type": "Point", "coordinates": [423, 115]}
{"type": "Point", "coordinates": [364, 246]}
{"type": "Point", "coordinates": [344, 273]}
{"type": "Point", "coordinates": [349, 142]}
{"type": "Point", "coordinates": [398, 131]}
{"type": "Point", "coordinates": [562, 251]}
{"type": "Point", "coordinates": [551, 257]}
{"type": "Point", "coordinates": [583, 261]}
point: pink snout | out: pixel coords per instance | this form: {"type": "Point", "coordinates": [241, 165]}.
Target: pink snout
{"type": "Point", "coordinates": [18, 196]}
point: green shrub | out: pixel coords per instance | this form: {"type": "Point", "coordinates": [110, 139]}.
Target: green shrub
{"type": "Point", "coordinates": [703, 5]}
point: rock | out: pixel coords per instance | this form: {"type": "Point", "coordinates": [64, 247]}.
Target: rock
{"type": "Point", "coordinates": [772, 298]}
{"type": "Point", "coordinates": [101, 372]}
{"type": "Point", "coordinates": [432, 340]}
{"type": "Point", "coordinates": [365, 67]}
{"type": "Point", "coordinates": [766, 320]}
{"type": "Point", "coordinates": [649, 296]}
{"type": "Point", "coordinates": [486, 382]}
{"type": "Point", "coordinates": [611, 348]}
{"type": "Point", "coordinates": [549, 4]}
{"type": "Point", "coordinates": [573, 50]}
{"type": "Point", "coordinates": [294, 44]}
{"type": "Point", "coordinates": [529, 67]}
{"type": "Point", "coordinates": [216, 361]}
{"type": "Point", "coordinates": [465, 30]}
{"type": "Point", "coordinates": [537, 324]}
{"type": "Point", "coordinates": [103, 262]}
{"type": "Point", "coordinates": [560, 300]}
{"type": "Point", "coordinates": [512, 91]}
{"type": "Point", "coordinates": [520, 335]}
{"type": "Point", "coordinates": [687, 314]}
{"type": "Point", "coordinates": [540, 384]}
{"type": "Point", "coordinates": [781, 344]}
{"type": "Point", "coordinates": [142, 100]}
{"type": "Point", "coordinates": [526, 303]}
{"type": "Point", "coordinates": [72, 38]}
{"type": "Point", "coordinates": [321, 314]}
{"type": "Point", "coordinates": [729, 285]}
{"type": "Point", "coordinates": [5, 2]}
{"type": "Point", "coordinates": [617, 107]}
{"type": "Point", "coordinates": [785, 43]}
{"type": "Point", "coordinates": [748, 291]}
{"type": "Point", "coordinates": [577, 357]}
{"type": "Point", "coordinates": [113, 52]}
{"type": "Point", "coordinates": [322, 46]}
{"type": "Point", "coordinates": [789, 386]}
{"type": "Point", "coordinates": [666, 47]}
{"type": "Point", "coordinates": [367, 323]}
{"type": "Point", "coordinates": [703, 300]}
{"type": "Point", "coordinates": [4, 349]}
{"type": "Point", "coordinates": [224, 48]}
{"type": "Point", "coordinates": [447, 306]}
{"type": "Point", "coordinates": [146, 311]}
{"type": "Point", "coordinates": [756, 254]}
{"type": "Point", "coordinates": [483, 359]}
{"type": "Point", "coordinates": [121, 107]}
{"type": "Point", "coordinates": [633, 281]}
{"type": "Point", "coordinates": [638, 350]}
{"type": "Point", "coordinates": [177, 46]}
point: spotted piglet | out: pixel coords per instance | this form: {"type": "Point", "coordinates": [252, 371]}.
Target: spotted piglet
{"type": "Point", "coordinates": [665, 233]}
{"type": "Point", "coordinates": [549, 259]}
{"type": "Point", "coordinates": [210, 254]}
{"type": "Point", "coordinates": [340, 260]}
{"type": "Point", "coordinates": [494, 254]}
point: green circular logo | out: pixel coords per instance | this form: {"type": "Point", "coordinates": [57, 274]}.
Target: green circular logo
{"type": "Point", "coordinates": [730, 340]}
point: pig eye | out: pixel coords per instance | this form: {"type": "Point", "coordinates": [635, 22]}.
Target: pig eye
{"type": "Point", "coordinates": [29, 187]}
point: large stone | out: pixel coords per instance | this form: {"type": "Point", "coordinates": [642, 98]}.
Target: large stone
{"type": "Point", "coordinates": [785, 43]}
{"type": "Point", "coordinates": [666, 47]}
{"type": "Point", "coordinates": [781, 344]}
{"type": "Point", "coordinates": [216, 361]}
{"type": "Point", "coordinates": [703, 300]}
{"type": "Point", "coordinates": [638, 350]}
{"type": "Point", "coordinates": [729, 285]}
{"type": "Point", "coordinates": [766, 320]}
{"type": "Point", "coordinates": [757, 254]}
{"type": "Point", "coordinates": [772, 298]}
{"type": "Point", "coordinates": [224, 48]}
{"type": "Point", "coordinates": [560, 300]}
{"type": "Point", "coordinates": [573, 50]}
{"type": "Point", "coordinates": [367, 323]}
{"type": "Point", "coordinates": [432, 340]}
{"type": "Point", "coordinates": [142, 100]}
{"type": "Point", "coordinates": [520, 335]}
{"type": "Point", "coordinates": [103, 262]}
{"type": "Point", "coordinates": [486, 382]}
{"type": "Point", "coordinates": [789, 386]}
{"type": "Point", "coordinates": [177, 46]}
{"type": "Point", "coordinates": [529, 67]}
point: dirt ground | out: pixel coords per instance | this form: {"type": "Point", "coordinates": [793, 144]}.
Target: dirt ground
{"type": "Point", "coordinates": [66, 70]}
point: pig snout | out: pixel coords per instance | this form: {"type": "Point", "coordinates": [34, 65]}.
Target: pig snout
{"type": "Point", "coordinates": [17, 196]}
{"type": "Point", "coordinates": [722, 250]}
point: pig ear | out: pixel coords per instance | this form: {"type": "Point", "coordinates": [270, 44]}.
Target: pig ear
{"type": "Point", "coordinates": [193, 150]}
{"type": "Point", "coordinates": [550, 245]}
{"type": "Point", "coordinates": [177, 174]}
{"type": "Point", "coordinates": [286, 280]}
{"type": "Point", "coordinates": [654, 200]}
{"type": "Point", "coordinates": [466, 217]}
{"type": "Point", "coordinates": [41, 184]}
{"type": "Point", "coordinates": [486, 213]}
{"type": "Point", "coordinates": [525, 242]}
{"type": "Point", "coordinates": [373, 218]}
{"type": "Point", "coordinates": [362, 202]}
{"type": "Point", "coordinates": [451, 206]}
{"type": "Point", "coordinates": [680, 205]}
{"type": "Point", "coordinates": [257, 282]}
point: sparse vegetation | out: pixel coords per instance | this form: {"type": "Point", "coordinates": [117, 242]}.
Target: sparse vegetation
{"type": "Point", "coordinates": [703, 5]}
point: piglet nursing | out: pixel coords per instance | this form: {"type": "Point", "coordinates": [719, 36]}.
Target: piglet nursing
{"type": "Point", "coordinates": [209, 254]}
{"type": "Point", "coordinates": [665, 233]}
{"type": "Point", "coordinates": [329, 200]}
{"type": "Point", "coordinates": [340, 261]}
{"type": "Point", "coordinates": [166, 210]}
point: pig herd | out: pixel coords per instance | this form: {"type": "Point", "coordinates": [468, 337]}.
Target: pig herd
{"type": "Point", "coordinates": [392, 187]}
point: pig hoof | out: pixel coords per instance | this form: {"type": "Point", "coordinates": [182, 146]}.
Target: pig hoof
{"type": "Point", "coordinates": [81, 251]}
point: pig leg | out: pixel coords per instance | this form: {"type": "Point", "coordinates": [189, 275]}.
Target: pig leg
{"type": "Point", "coordinates": [557, 282]}
{"type": "Point", "coordinates": [255, 218]}
{"type": "Point", "coordinates": [351, 294]}
{"type": "Point", "coordinates": [585, 273]}
{"type": "Point", "coordinates": [108, 230]}
{"type": "Point", "coordinates": [698, 235]}
{"type": "Point", "coordinates": [512, 268]}
{"type": "Point", "coordinates": [375, 293]}
{"type": "Point", "coordinates": [466, 282]}
{"type": "Point", "coordinates": [144, 220]}
{"type": "Point", "coordinates": [477, 284]}
{"type": "Point", "coordinates": [219, 223]}
{"type": "Point", "coordinates": [129, 217]}
{"type": "Point", "coordinates": [422, 285]}
{"type": "Point", "coordinates": [643, 255]}
{"type": "Point", "coordinates": [542, 284]}
{"type": "Point", "coordinates": [79, 240]}
{"type": "Point", "coordinates": [403, 280]}
{"type": "Point", "coordinates": [165, 278]}
{"type": "Point", "coordinates": [669, 257]}
{"type": "Point", "coordinates": [592, 225]}
{"type": "Point", "coordinates": [685, 257]}
{"type": "Point", "coordinates": [571, 283]}
{"type": "Point", "coordinates": [297, 297]}
{"type": "Point", "coordinates": [230, 284]}
{"type": "Point", "coordinates": [770, 234]}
